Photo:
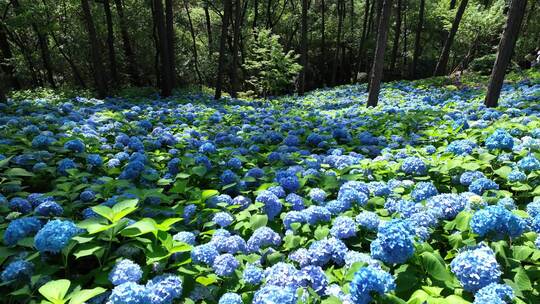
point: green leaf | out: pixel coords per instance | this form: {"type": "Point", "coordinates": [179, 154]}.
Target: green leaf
{"type": "Point", "coordinates": [87, 250]}
{"type": "Point", "coordinates": [208, 280]}
{"type": "Point", "coordinates": [18, 172]}
{"type": "Point", "coordinates": [522, 280]}
{"type": "Point", "coordinates": [55, 291]}
{"type": "Point", "coordinates": [321, 232]}
{"type": "Point", "coordinates": [141, 227]}
{"type": "Point", "coordinates": [199, 170]}
{"type": "Point", "coordinates": [206, 194]}
{"type": "Point", "coordinates": [81, 296]}
{"type": "Point", "coordinates": [522, 252]}
{"type": "Point", "coordinates": [436, 267]}
{"type": "Point", "coordinates": [104, 211]}
{"type": "Point", "coordinates": [503, 171]}
{"type": "Point", "coordinates": [418, 297]}
{"type": "Point", "coordinates": [258, 221]}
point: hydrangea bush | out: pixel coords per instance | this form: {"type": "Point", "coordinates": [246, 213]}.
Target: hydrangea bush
{"type": "Point", "coordinates": [428, 198]}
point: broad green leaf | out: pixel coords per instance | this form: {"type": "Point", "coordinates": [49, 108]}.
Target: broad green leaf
{"type": "Point", "coordinates": [503, 171]}
{"type": "Point", "coordinates": [55, 291]}
{"type": "Point", "coordinates": [104, 211]}
{"type": "Point", "coordinates": [81, 296]}
{"type": "Point", "coordinates": [141, 227]}
{"type": "Point", "coordinates": [18, 172]}
{"type": "Point", "coordinates": [435, 267]}
{"type": "Point", "coordinates": [522, 280]}
{"type": "Point", "coordinates": [258, 221]}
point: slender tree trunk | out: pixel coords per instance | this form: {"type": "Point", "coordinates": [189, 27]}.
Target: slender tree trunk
{"type": "Point", "coordinates": [170, 35]}
{"type": "Point", "coordinates": [126, 42]}
{"type": "Point", "coordinates": [405, 65]}
{"type": "Point", "coordinates": [194, 41]}
{"type": "Point", "coordinates": [208, 28]}
{"type": "Point", "coordinates": [6, 56]}
{"type": "Point", "coordinates": [363, 39]}
{"type": "Point", "coordinates": [304, 48]}
{"type": "Point", "coordinates": [378, 61]}
{"type": "Point", "coordinates": [227, 7]}
{"type": "Point", "coordinates": [235, 82]}
{"type": "Point", "coordinates": [268, 14]}
{"type": "Point", "coordinates": [505, 50]}
{"type": "Point", "coordinates": [110, 43]}
{"type": "Point", "coordinates": [440, 69]}
{"type": "Point", "coordinates": [338, 41]}
{"type": "Point", "coordinates": [417, 39]}
{"type": "Point", "coordinates": [397, 34]}
{"type": "Point", "coordinates": [45, 54]}
{"type": "Point", "coordinates": [95, 51]}
{"type": "Point", "coordinates": [323, 62]}
{"type": "Point", "coordinates": [255, 13]}
{"type": "Point", "coordinates": [452, 4]}
{"type": "Point", "coordinates": [165, 64]}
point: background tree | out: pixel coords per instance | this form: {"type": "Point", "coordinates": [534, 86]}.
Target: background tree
{"type": "Point", "coordinates": [95, 50]}
{"type": "Point", "coordinates": [504, 51]}
{"type": "Point", "coordinates": [440, 69]}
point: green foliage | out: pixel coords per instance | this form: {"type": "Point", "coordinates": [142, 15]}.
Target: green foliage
{"type": "Point", "coordinates": [269, 67]}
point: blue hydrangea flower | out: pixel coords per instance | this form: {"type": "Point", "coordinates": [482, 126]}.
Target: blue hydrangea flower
{"type": "Point", "coordinates": [230, 298]}
{"type": "Point", "coordinates": [205, 254]}
{"type": "Point", "coordinates": [20, 205]}
{"type": "Point", "coordinates": [234, 163]}
{"type": "Point", "coordinates": [394, 243]}
{"type": "Point", "coordinates": [414, 166]}
{"type": "Point", "coordinates": [21, 228]}
{"type": "Point", "coordinates": [296, 201]}
{"type": "Point", "coordinates": [494, 294]}
{"type": "Point", "coordinates": [500, 139]}
{"type": "Point", "coordinates": [315, 214]}
{"type": "Point", "coordinates": [369, 280]}
{"type": "Point", "coordinates": [252, 274]}
{"type": "Point", "coordinates": [49, 208]}
{"type": "Point", "coordinates": [225, 264]}
{"type": "Point", "coordinates": [476, 268]}
{"type": "Point", "coordinates": [207, 148]}
{"type": "Point", "coordinates": [343, 227]}
{"type": "Point", "coordinates": [325, 250]}
{"type": "Point", "coordinates": [497, 222]}
{"type": "Point", "coordinates": [272, 205]}
{"type": "Point", "coordinates": [354, 256]}
{"type": "Point", "coordinates": [275, 294]}
{"type": "Point", "coordinates": [55, 235]}
{"type": "Point", "coordinates": [223, 219]}
{"type": "Point", "coordinates": [42, 141]}
{"type": "Point", "coordinates": [262, 237]}
{"type": "Point", "coordinates": [18, 271]}
{"type": "Point", "coordinates": [231, 244]}
{"type": "Point", "coordinates": [461, 147]}
{"type": "Point", "coordinates": [66, 164]}
{"type": "Point", "coordinates": [164, 289]}
{"type": "Point", "coordinates": [293, 217]}
{"type": "Point", "coordinates": [447, 204]}
{"type": "Point", "coordinates": [368, 220]}
{"type": "Point", "coordinates": [75, 145]}
{"type": "Point", "coordinates": [423, 190]}
{"type": "Point", "coordinates": [87, 196]}
{"type": "Point", "coordinates": [283, 275]}
{"type": "Point", "coordinates": [529, 163]}
{"type": "Point", "coordinates": [228, 177]}
{"type": "Point", "coordinates": [94, 160]}
{"type": "Point", "coordinates": [316, 278]}
{"type": "Point", "coordinates": [185, 237]}
{"type": "Point", "coordinates": [470, 176]}
{"type": "Point", "coordinates": [517, 176]}
{"type": "Point", "coordinates": [481, 185]}
{"type": "Point", "coordinates": [125, 271]}
{"type": "Point", "coordinates": [317, 195]}
{"type": "Point", "coordinates": [129, 293]}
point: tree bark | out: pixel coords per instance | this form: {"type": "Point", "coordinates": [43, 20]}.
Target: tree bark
{"type": "Point", "coordinates": [324, 69]}
{"type": "Point", "coordinates": [417, 38]}
{"type": "Point", "coordinates": [227, 7]}
{"type": "Point", "coordinates": [194, 41]}
{"type": "Point", "coordinates": [6, 56]}
{"type": "Point", "coordinates": [255, 13]}
{"type": "Point", "coordinates": [126, 43]}
{"type": "Point", "coordinates": [338, 41]}
{"type": "Point", "coordinates": [378, 61]}
{"type": "Point", "coordinates": [505, 50]}
{"type": "Point", "coordinates": [440, 69]}
{"type": "Point", "coordinates": [235, 81]}
{"type": "Point", "coordinates": [208, 27]}
{"type": "Point", "coordinates": [165, 64]}
{"type": "Point", "coordinates": [397, 34]}
{"type": "Point", "coordinates": [363, 39]}
{"type": "Point", "coordinates": [304, 48]}
{"type": "Point", "coordinates": [95, 51]}
{"type": "Point", "coordinates": [110, 42]}
{"type": "Point", "coordinates": [170, 36]}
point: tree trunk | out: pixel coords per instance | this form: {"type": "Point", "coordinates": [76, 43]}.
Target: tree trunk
{"type": "Point", "coordinates": [304, 48]}
{"type": "Point", "coordinates": [76, 73]}
{"type": "Point", "coordinates": [126, 42]}
{"type": "Point", "coordinates": [338, 41]}
{"type": "Point", "coordinates": [235, 82]}
{"type": "Point", "coordinates": [5, 60]}
{"type": "Point", "coordinates": [378, 61]}
{"type": "Point", "coordinates": [324, 69]}
{"type": "Point", "coordinates": [363, 39]}
{"type": "Point", "coordinates": [170, 35]}
{"type": "Point", "coordinates": [255, 13]}
{"type": "Point", "coordinates": [227, 7]}
{"type": "Point", "coordinates": [405, 65]}
{"type": "Point", "coordinates": [192, 31]}
{"type": "Point", "coordinates": [505, 50]}
{"type": "Point", "coordinates": [397, 34]}
{"type": "Point", "coordinates": [95, 51]}
{"type": "Point", "coordinates": [110, 42]}
{"type": "Point", "coordinates": [208, 27]}
{"type": "Point", "coordinates": [45, 55]}
{"type": "Point", "coordinates": [417, 38]}
{"type": "Point", "coordinates": [165, 64]}
{"type": "Point", "coordinates": [440, 69]}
